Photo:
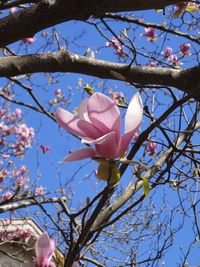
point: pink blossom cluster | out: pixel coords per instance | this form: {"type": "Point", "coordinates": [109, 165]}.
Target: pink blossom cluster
{"type": "Point", "coordinates": [15, 135]}
{"type": "Point", "coordinates": [173, 58]}
{"type": "Point", "coordinates": [15, 138]}
{"type": "Point", "coordinates": [17, 235]}
{"type": "Point", "coordinates": [116, 43]}
{"type": "Point", "coordinates": [13, 179]}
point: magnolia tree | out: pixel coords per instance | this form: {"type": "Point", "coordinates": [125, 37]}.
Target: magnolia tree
{"type": "Point", "coordinates": [99, 130]}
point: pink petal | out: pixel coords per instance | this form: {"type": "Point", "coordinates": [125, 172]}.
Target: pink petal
{"type": "Point", "coordinates": [80, 154]}
{"type": "Point", "coordinates": [133, 117]}
{"type": "Point", "coordinates": [51, 264]}
{"type": "Point", "coordinates": [107, 147]}
{"type": "Point", "coordinates": [74, 125]}
{"type": "Point", "coordinates": [125, 140]}
{"type": "Point", "coordinates": [82, 111]}
{"type": "Point", "coordinates": [44, 248]}
{"type": "Point", "coordinates": [104, 114]}
{"type": "Point", "coordinates": [98, 140]}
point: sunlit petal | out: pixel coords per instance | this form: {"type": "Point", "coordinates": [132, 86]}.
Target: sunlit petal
{"type": "Point", "coordinates": [134, 113]}
{"type": "Point", "coordinates": [80, 154]}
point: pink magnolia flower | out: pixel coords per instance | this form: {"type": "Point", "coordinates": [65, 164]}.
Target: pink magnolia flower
{"type": "Point", "coordinates": [40, 191]}
{"type": "Point", "coordinates": [7, 196]}
{"type": "Point", "coordinates": [98, 122]}
{"type": "Point", "coordinates": [167, 52]}
{"type": "Point", "coordinates": [44, 249]}
{"type": "Point", "coordinates": [185, 49]}
{"type": "Point", "coordinates": [151, 148]}
{"type": "Point", "coordinates": [173, 59]}
{"type": "Point", "coordinates": [29, 40]}
{"type": "Point", "coordinates": [116, 44]}
{"type": "Point", "coordinates": [117, 97]}
{"type": "Point", "coordinates": [17, 112]}
{"type": "Point", "coordinates": [150, 33]}
{"type": "Point", "coordinates": [152, 64]}
{"type": "Point", "coordinates": [58, 92]}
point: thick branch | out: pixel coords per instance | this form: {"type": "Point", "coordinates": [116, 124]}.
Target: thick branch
{"type": "Point", "coordinates": [186, 80]}
{"type": "Point", "coordinates": [29, 21]}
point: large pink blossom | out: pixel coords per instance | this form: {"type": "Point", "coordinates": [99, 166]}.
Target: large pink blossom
{"type": "Point", "coordinates": [99, 123]}
{"type": "Point", "coordinates": [44, 249]}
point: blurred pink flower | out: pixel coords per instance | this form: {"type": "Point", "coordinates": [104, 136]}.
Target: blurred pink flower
{"type": "Point", "coordinates": [150, 33]}
{"type": "Point", "coordinates": [117, 45]}
{"type": "Point", "coordinates": [151, 148]}
{"type": "Point", "coordinates": [40, 191]}
{"type": "Point", "coordinates": [45, 148]}
{"type": "Point", "coordinates": [152, 64]}
{"type": "Point", "coordinates": [99, 122]}
{"type": "Point", "coordinates": [173, 59]}
{"type": "Point", "coordinates": [29, 40]}
{"type": "Point", "coordinates": [21, 182]}
{"type": "Point", "coordinates": [117, 97]}
{"type": "Point", "coordinates": [17, 112]}
{"type": "Point", "coordinates": [167, 52]}
{"type": "Point", "coordinates": [7, 196]}
{"type": "Point", "coordinates": [58, 93]}
{"type": "Point", "coordinates": [185, 49]}
{"type": "Point", "coordinates": [44, 249]}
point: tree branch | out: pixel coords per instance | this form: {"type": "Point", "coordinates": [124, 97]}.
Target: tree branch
{"type": "Point", "coordinates": [186, 80]}
{"type": "Point", "coordinates": [47, 13]}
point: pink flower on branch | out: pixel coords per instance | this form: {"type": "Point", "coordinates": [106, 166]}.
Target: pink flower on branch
{"type": "Point", "coordinates": [117, 97]}
{"type": "Point", "coordinates": [151, 148]}
{"type": "Point", "coordinates": [167, 52]}
{"type": "Point", "coordinates": [150, 33]}
{"type": "Point", "coordinates": [185, 49]}
{"type": "Point", "coordinates": [116, 43]}
{"type": "Point", "coordinates": [99, 123]}
{"type": "Point", "coordinates": [173, 59]}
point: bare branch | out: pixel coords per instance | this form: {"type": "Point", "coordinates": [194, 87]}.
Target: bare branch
{"type": "Point", "coordinates": [49, 13]}
{"type": "Point", "coordinates": [185, 80]}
